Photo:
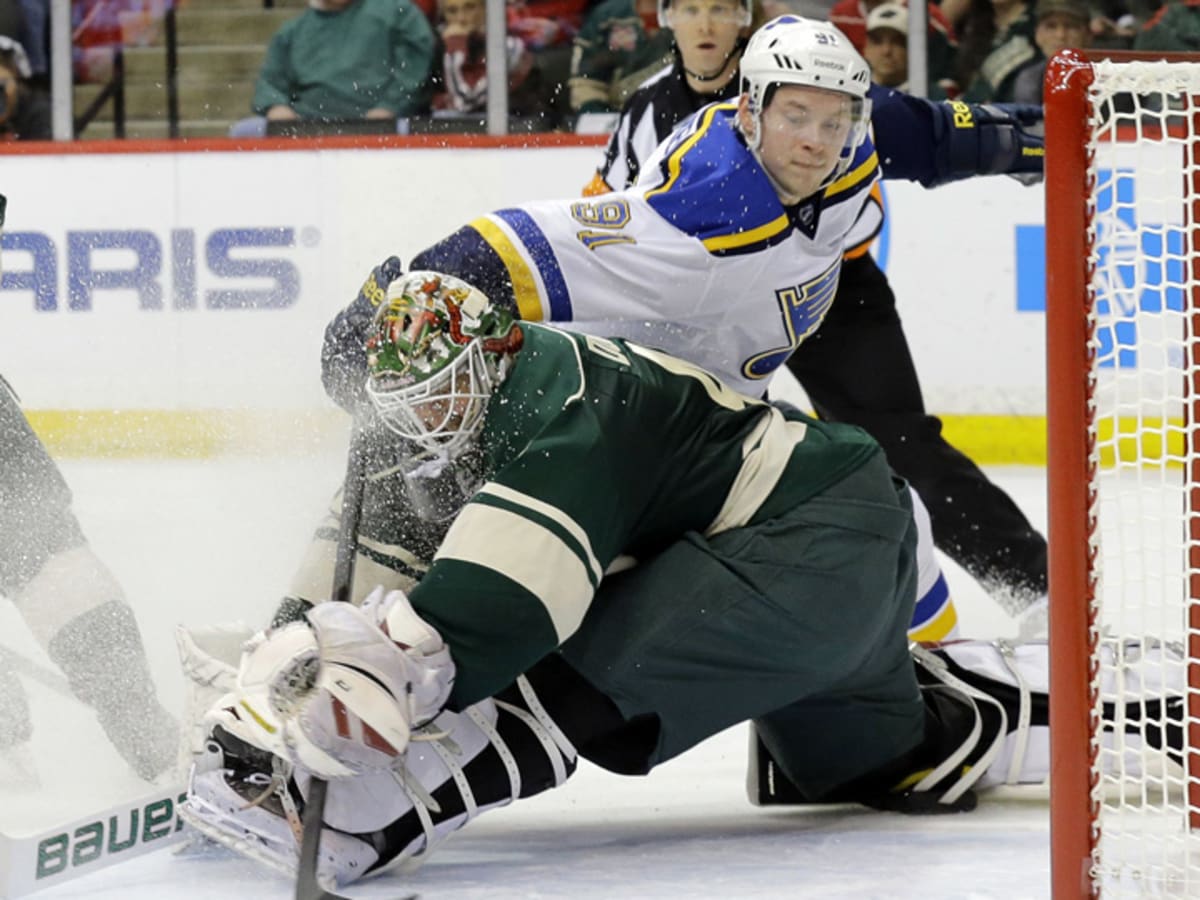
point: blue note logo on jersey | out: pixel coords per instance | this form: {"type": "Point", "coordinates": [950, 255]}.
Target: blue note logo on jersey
{"type": "Point", "coordinates": [802, 307]}
{"type": "Point", "coordinates": [1139, 268]}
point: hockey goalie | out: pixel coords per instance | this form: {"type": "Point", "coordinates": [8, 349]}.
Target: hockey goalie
{"type": "Point", "coordinates": [637, 557]}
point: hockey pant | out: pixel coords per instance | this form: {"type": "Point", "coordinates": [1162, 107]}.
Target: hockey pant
{"type": "Point", "coordinates": [803, 616]}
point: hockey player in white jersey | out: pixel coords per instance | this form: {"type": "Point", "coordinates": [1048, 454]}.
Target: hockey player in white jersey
{"type": "Point", "coordinates": [727, 250]}
{"type": "Point", "coordinates": [857, 367]}
{"type": "Point", "coordinates": [774, 579]}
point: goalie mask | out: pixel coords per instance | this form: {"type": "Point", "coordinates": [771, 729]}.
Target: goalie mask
{"type": "Point", "coordinates": [813, 54]}
{"type": "Point", "coordinates": [437, 350]}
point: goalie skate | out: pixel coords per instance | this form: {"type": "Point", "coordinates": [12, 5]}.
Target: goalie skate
{"type": "Point", "coordinates": [997, 695]}
{"type": "Point", "coordinates": [250, 804]}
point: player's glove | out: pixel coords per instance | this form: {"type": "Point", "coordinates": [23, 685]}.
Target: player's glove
{"type": "Point", "coordinates": [990, 139]}
{"type": "Point", "coordinates": [343, 354]}
{"type": "Point", "coordinates": [340, 693]}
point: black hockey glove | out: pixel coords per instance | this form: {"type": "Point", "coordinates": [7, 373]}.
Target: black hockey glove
{"type": "Point", "coordinates": [344, 354]}
{"type": "Point", "coordinates": [989, 139]}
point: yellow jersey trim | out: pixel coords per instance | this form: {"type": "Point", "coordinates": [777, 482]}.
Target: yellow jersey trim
{"type": "Point", "coordinates": [854, 177]}
{"type": "Point", "coordinates": [674, 161]}
{"type": "Point", "coordinates": [742, 238]}
{"type": "Point", "coordinates": [525, 291]}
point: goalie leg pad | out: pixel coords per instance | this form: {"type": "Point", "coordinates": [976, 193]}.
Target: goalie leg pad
{"type": "Point", "coordinates": [454, 769]}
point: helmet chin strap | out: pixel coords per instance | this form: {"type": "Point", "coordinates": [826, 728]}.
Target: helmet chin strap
{"type": "Point", "coordinates": [736, 50]}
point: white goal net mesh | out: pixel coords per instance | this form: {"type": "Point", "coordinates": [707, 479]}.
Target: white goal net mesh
{"type": "Point", "coordinates": [1143, 150]}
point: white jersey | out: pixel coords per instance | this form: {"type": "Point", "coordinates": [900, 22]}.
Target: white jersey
{"type": "Point", "coordinates": [698, 259]}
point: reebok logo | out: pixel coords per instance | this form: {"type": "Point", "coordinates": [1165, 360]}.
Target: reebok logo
{"type": "Point", "coordinates": [828, 64]}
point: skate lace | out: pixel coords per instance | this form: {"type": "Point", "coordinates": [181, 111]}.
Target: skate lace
{"type": "Point", "coordinates": [937, 667]}
{"type": "Point", "coordinates": [555, 743]}
{"type": "Point", "coordinates": [1008, 654]}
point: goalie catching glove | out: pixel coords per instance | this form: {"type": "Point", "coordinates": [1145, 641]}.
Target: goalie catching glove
{"type": "Point", "coordinates": [341, 692]}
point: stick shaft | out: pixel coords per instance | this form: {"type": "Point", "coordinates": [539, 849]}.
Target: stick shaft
{"type": "Point", "coordinates": [307, 885]}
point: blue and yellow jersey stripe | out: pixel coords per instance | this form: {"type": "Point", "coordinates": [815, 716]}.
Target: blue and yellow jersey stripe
{"type": "Point", "coordinates": [539, 289]}
{"type": "Point", "coordinates": [861, 175]}
{"type": "Point", "coordinates": [712, 162]}
{"type": "Point", "coordinates": [934, 618]}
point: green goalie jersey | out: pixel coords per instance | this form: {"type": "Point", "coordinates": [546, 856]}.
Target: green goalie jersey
{"type": "Point", "coordinates": [600, 452]}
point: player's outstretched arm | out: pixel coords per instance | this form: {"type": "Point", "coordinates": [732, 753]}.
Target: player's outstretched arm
{"type": "Point", "coordinates": [936, 143]}
{"type": "Point", "coordinates": [343, 353]}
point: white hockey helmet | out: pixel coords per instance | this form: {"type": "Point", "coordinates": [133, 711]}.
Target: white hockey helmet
{"type": "Point", "coordinates": [810, 53]}
{"type": "Point", "coordinates": [745, 4]}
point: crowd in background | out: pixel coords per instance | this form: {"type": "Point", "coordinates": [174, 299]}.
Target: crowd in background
{"type": "Point", "coordinates": [395, 61]}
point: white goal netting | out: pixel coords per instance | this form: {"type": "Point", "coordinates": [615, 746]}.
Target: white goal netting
{"type": "Point", "coordinates": [1144, 457]}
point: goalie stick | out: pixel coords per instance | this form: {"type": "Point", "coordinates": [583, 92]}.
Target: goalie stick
{"type": "Point", "coordinates": [127, 829]}
{"type": "Point", "coordinates": [308, 887]}
{"type": "Point", "coordinates": [131, 828]}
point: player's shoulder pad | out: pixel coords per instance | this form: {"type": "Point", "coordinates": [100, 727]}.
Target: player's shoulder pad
{"type": "Point", "coordinates": [706, 158]}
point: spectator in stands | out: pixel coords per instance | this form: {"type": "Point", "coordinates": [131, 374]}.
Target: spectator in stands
{"type": "Point", "coordinates": [886, 52]}
{"type": "Point", "coordinates": [886, 49]}
{"type": "Point", "coordinates": [853, 18]}
{"type": "Point", "coordinates": [461, 85]}
{"type": "Point", "coordinates": [1011, 47]}
{"type": "Point", "coordinates": [850, 16]}
{"type": "Point", "coordinates": [1174, 28]}
{"type": "Point", "coordinates": [343, 60]}
{"type": "Point", "coordinates": [1060, 24]}
{"type": "Point", "coordinates": [24, 113]}
{"type": "Point", "coordinates": [543, 24]}
{"type": "Point", "coordinates": [36, 39]}
{"type": "Point", "coordinates": [619, 47]}
{"type": "Point", "coordinates": [549, 28]}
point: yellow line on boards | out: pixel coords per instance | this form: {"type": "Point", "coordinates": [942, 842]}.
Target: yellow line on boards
{"type": "Point", "coordinates": [192, 434]}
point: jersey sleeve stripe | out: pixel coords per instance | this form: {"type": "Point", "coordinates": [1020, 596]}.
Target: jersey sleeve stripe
{"type": "Point", "coordinates": [544, 258]}
{"type": "Point", "coordinates": [745, 238]}
{"type": "Point", "coordinates": [525, 291]}
{"type": "Point", "coordinates": [528, 554]}
{"type": "Point", "coordinates": [766, 452]}
{"type": "Point", "coordinates": [560, 519]}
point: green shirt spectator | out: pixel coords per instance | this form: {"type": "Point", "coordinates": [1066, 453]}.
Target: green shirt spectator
{"type": "Point", "coordinates": [348, 59]}
{"type": "Point", "coordinates": [1012, 48]}
{"type": "Point", "coordinates": [1175, 28]}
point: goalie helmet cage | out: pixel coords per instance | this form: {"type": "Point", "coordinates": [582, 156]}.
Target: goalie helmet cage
{"type": "Point", "coordinates": [1123, 413]}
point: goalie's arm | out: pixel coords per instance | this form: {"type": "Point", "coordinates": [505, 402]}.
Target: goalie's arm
{"type": "Point", "coordinates": [937, 143]}
{"type": "Point", "coordinates": [466, 254]}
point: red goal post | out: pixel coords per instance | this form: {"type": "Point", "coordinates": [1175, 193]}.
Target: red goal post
{"type": "Point", "coordinates": [1123, 413]}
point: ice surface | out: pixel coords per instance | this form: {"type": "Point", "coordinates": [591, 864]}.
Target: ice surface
{"type": "Point", "coordinates": [207, 541]}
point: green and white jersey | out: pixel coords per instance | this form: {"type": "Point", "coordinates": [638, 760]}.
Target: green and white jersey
{"type": "Point", "coordinates": [601, 449]}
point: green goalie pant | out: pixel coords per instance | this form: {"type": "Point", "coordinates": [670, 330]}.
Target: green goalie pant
{"type": "Point", "coordinates": [798, 623]}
